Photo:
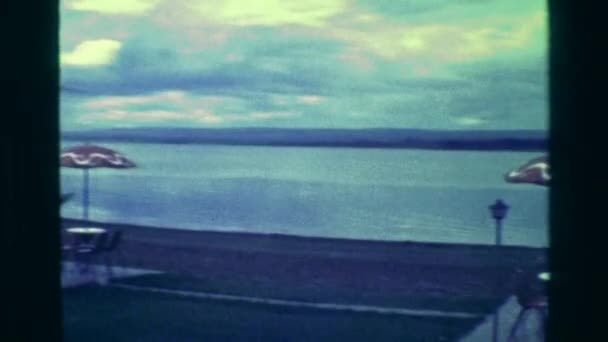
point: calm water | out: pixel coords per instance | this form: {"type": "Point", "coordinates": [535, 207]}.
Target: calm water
{"type": "Point", "coordinates": [333, 192]}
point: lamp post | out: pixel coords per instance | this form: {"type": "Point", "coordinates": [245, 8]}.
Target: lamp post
{"type": "Point", "coordinates": [498, 210]}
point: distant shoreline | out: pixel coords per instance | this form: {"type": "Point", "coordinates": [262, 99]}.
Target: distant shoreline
{"type": "Point", "coordinates": [445, 147]}
{"type": "Point", "coordinates": [531, 141]}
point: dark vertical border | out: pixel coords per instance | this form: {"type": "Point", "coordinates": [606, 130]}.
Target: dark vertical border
{"type": "Point", "coordinates": [578, 202]}
{"type": "Point", "coordinates": [29, 216]}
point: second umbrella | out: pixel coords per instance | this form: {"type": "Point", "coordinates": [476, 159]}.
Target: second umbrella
{"type": "Point", "coordinates": [86, 157]}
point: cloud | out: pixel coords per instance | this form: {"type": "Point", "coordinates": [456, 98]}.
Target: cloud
{"type": "Point", "coordinates": [310, 99]}
{"type": "Point", "coordinates": [402, 8]}
{"type": "Point", "coordinates": [446, 11]}
{"type": "Point", "coordinates": [271, 115]}
{"type": "Point", "coordinates": [270, 12]}
{"type": "Point", "coordinates": [121, 101]}
{"type": "Point", "coordinates": [262, 62]}
{"type": "Point", "coordinates": [469, 121]}
{"type": "Point", "coordinates": [174, 99]}
{"type": "Point", "coordinates": [413, 63]}
{"type": "Point", "coordinates": [92, 52]}
{"type": "Point", "coordinates": [121, 118]}
{"type": "Point", "coordinates": [440, 43]}
{"type": "Point", "coordinates": [127, 7]}
{"type": "Point", "coordinates": [117, 114]}
{"type": "Point", "coordinates": [173, 108]}
{"type": "Point", "coordinates": [112, 117]}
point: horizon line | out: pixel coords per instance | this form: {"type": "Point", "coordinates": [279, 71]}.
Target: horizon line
{"type": "Point", "coordinates": [312, 128]}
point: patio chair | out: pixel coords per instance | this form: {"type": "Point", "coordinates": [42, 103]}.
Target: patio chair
{"type": "Point", "coordinates": [532, 298]}
{"type": "Point", "coordinates": [69, 246]}
{"type": "Point", "coordinates": [538, 305]}
{"type": "Point", "coordinates": [84, 253]}
{"type": "Point", "coordinates": [111, 250]}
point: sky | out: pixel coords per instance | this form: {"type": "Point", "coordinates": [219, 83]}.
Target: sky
{"type": "Point", "coordinates": [424, 64]}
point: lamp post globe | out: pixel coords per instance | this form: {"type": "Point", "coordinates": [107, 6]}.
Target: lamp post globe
{"type": "Point", "coordinates": [499, 209]}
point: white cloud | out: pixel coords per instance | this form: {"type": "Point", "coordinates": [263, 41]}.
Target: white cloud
{"type": "Point", "coordinates": [470, 121]}
{"type": "Point", "coordinates": [119, 115]}
{"type": "Point", "coordinates": [445, 42]}
{"type": "Point", "coordinates": [184, 108]}
{"type": "Point", "coordinates": [270, 115]}
{"type": "Point", "coordinates": [202, 115]}
{"type": "Point", "coordinates": [92, 52]}
{"type": "Point", "coordinates": [170, 96]}
{"type": "Point", "coordinates": [128, 7]}
{"type": "Point", "coordinates": [270, 12]}
{"type": "Point", "coordinates": [310, 99]}
{"type": "Point", "coordinates": [149, 116]}
{"type": "Point", "coordinates": [134, 117]}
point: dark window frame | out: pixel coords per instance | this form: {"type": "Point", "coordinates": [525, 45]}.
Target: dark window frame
{"type": "Point", "coordinates": [29, 216]}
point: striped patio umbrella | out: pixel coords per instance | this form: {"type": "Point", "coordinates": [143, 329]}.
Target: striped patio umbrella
{"type": "Point", "coordinates": [531, 293]}
{"type": "Point", "coordinates": [535, 171]}
{"type": "Point", "coordinates": [88, 156]}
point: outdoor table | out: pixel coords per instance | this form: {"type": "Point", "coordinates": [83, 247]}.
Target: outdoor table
{"type": "Point", "coordinates": [85, 234]}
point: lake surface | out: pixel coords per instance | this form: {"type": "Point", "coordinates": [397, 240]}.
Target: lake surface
{"type": "Point", "coordinates": [385, 194]}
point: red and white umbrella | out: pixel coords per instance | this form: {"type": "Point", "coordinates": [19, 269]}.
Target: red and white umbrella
{"type": "Point", "coordinates": [86, 157]}
{"type": "Point", "coordinates": [532, 292]}
{"type": "Point", "coordinates": [535, 171]}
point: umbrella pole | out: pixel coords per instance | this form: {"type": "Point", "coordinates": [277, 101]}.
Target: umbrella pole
{"type": "Point", "coordinates": [85, 197]}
